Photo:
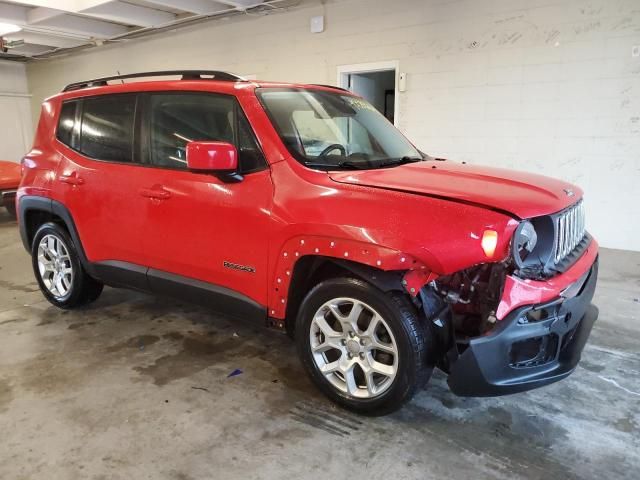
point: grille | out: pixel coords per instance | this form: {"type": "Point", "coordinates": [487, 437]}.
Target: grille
{"type": "Point", "coordinates": [570, 230]}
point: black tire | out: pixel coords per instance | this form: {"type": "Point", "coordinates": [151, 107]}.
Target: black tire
{"type": "Point", "coordinates": [83, 288]}
{"type": "Point", "coordinates": [413, 367]}
{"type": "Point", "coordinates": [11, 208]}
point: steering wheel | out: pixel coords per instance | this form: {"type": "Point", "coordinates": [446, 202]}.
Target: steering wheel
{"type": "Point", "coordinates": [331, 148]}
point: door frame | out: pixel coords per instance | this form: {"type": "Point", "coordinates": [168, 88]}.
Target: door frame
{"type": "Point", "coordinates": [372, 67]}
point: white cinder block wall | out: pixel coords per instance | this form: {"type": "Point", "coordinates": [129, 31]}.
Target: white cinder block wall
{"type": "Point", "coordinates": [15, 112]}
{"type": "Point", "coordinates": [548, 86]}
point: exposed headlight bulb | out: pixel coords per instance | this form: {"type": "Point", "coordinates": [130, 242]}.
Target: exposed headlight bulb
{"type": "Point", "coordinates": [525, 240]}
{"type": "Point", "coordinates": [528, 237]}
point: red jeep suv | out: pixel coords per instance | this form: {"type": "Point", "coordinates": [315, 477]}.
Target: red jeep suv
{"type": "Point", "coordinates": [302, 208]}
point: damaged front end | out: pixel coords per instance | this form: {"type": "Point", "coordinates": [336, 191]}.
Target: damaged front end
{"type": "Point", "coordinates": [462, 306]}
{"type": "Point", "coordinates": [488, 354]}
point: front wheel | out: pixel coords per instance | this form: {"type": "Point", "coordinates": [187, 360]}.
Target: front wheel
{"type": "Point", "coordinates": [365, 349]}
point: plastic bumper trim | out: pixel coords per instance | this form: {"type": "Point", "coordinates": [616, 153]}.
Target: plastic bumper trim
{"type": "Point", "coordinates": [484, 369]}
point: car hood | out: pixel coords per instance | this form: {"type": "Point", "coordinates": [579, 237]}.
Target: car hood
{"type": "Point", "coordinates": [520, 194]}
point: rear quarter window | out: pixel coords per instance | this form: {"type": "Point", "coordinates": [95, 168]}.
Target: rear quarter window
{"type": "Point", "coordinates": [67, 123]}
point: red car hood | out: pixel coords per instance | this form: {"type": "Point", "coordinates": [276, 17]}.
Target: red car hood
{"type": "Point", "coordinates": [524, 195]}
{"type": "Point", "coordinates": [9, 175]}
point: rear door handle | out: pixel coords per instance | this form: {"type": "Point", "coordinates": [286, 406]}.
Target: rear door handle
{"type": "Point", "coordinates": [71, 179]}
{"type": "Point", "coordinates": [156, 192]}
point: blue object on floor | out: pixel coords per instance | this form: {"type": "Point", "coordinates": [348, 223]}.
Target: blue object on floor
{"type": "Point", "coordinates": [235, 373]}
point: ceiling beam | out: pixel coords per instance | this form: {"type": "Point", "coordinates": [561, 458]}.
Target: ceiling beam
{"type": "Point", "coordinates": [200, 7]}
{"type": "Point", "coordinates": [60, 24]}
{"type": "Point", "coordinates": [41, 14]}
{"type": "Point", "coordinates": [30, 49]}
{"type": "Point", "coordinates": [56, 41]}
{"type": "Point", "coordinates": [241, 4]}
{"type": "Point", "coordinates": [128, 14]}
{"type": "Point", "coordinates": [13, 14]}
{"type": "Point", "coordinates": [51, 19]}
{"type": "Point", "coordinates": [70, 6]}
{"type": "Point", "coordinates": [83, 26]}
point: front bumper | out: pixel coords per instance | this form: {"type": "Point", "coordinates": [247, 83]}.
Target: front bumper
{"type": "Point", "coordinates": [532, 346]}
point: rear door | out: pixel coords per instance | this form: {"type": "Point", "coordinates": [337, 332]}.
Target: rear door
{"type": "Point", "coordinates": [99, 178]}
{"type": "Point", "coordinates": [206, 228]}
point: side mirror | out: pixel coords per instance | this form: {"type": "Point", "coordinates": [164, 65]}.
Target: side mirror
{"type": "Point", "coordinates": [213, 157]}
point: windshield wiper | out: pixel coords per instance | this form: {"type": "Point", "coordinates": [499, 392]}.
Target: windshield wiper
{"type": "Point", "coordinates": [347, 165]}
{"type": "Point", "coordinates": [392, 162]}
{"type": "Point", "coordinates": [354, 165]}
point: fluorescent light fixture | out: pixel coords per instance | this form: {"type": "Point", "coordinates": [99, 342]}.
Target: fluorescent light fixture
{"type": "Point", "coordinates": [7, 28]}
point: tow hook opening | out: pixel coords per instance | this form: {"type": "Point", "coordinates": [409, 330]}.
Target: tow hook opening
{"type": "Point", "coordinates": [533, 352]}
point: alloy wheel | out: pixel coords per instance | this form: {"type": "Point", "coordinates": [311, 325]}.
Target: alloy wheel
{"type": "Point", "coordinates": [54, 265]}
{"type": "Point", "coordinates": [354, 348]}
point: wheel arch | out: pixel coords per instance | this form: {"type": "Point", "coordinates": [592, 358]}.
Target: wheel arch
{"type": "Point", "coordinates": [34, 211]}
{"type": "Point", "coordinates": [304, 261]}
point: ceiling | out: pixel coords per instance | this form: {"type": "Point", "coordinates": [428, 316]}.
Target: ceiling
{"type": "Point", "coordinates": [52, 27]}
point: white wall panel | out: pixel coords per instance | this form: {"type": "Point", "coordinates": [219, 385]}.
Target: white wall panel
{"type": "Point", "coordinates": [548, 86]}
{"type": "Point", "coordinates": [16, 134]}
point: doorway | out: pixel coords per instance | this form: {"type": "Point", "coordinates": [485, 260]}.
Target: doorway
{"type": "Point", "coordinates": [376, 83]}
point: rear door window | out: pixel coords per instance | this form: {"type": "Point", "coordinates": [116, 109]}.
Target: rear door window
{"type": "Point", "coordinates": [107, 127]}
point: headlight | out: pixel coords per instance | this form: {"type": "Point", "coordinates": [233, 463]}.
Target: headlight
{"type": "Point", "coordinates": [525, 240]}
{"type": "Point", "coordinates": [532, 245]}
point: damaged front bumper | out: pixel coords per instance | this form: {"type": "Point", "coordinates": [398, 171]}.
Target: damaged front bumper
{"type": "Point", "coordinates": [531, 346]}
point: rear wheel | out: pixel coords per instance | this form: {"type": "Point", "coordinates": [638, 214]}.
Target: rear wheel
{"type": "Point", "coordinates": [363, 348]}
{"type": "Point", "coordinates": [57, 268]}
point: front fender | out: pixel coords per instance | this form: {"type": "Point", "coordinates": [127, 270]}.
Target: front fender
{"type": "Point", "coordinates": [376, 256]}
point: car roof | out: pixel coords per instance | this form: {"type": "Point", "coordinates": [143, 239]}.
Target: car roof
{"type": "Point", "coordinates": [190, 82]}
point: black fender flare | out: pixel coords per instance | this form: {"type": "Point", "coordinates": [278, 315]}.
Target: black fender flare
{"type": "Point", "coordinates": [54, 208]}
{"type": "Point", "coordinates": [385, 280]}
{"type": "Point", "coordinates": [26, 204]}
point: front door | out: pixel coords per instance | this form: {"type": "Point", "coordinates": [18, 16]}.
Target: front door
{"type": "Point", "coordinates": [205, 232]}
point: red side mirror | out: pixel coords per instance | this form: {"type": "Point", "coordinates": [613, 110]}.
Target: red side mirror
{"type": "Point", "coordinates": [212, 157]}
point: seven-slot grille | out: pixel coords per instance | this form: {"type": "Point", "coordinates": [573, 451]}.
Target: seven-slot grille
{"type": "Point", "coordinates": [570, 230]}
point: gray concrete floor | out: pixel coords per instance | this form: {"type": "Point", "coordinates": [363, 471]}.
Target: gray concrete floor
{"type": "Point", "coordinates": [136, 387]}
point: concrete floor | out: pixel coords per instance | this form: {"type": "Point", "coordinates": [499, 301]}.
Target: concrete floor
{"type": "Point", "coordinates": [136, 387]}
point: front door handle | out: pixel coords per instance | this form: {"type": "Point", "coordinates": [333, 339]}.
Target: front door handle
{"type": "Point", "coordinates": [71, 179]}
{"type": "Point", "coordinates": [157, 192]}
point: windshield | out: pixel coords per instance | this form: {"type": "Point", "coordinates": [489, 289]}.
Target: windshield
{"type": "Point", "coordinates": [327, 130]}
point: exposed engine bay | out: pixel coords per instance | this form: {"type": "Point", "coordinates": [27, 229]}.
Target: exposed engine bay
{"type": "Point", "coordinates": [462, 306]}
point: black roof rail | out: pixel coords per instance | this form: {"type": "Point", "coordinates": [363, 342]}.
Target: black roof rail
{"type": "Point", "coordinates": [329, 86]}
{"type": "Point", "coordinates": [185, 74]}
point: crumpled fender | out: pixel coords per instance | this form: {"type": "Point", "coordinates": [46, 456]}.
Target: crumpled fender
{"type": "Point", "coordinates": [383, 258]}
